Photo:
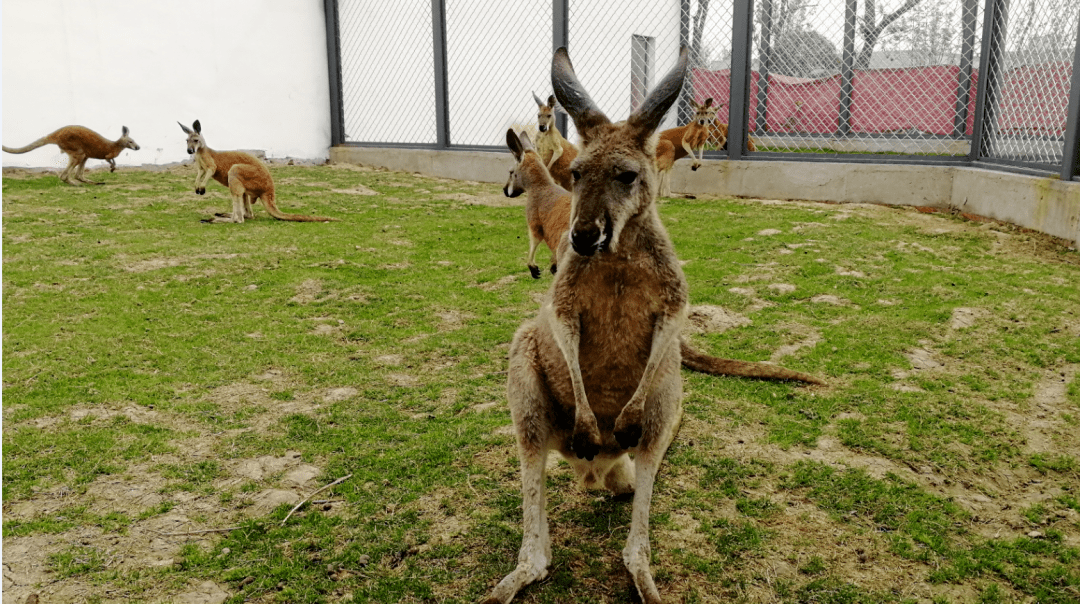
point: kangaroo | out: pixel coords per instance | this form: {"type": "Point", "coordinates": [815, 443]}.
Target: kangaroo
{"type": "Point", "coordinates": [547, 210]}
{"type": "Point", "coordinates": [556, 151]}
{"type": "Point", "coordinates": [82, 144]}
{"type": "Point", "coordinates": [246, 177]}
{"type": "Point", "coordinates": [596, 375]}
{"type": "Point", "coordinates": [679, 142]}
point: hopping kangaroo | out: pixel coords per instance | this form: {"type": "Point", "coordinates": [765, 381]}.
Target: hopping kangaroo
{"type": "Point", "coordinates": [547, 210]}
{"type": "Point", "coordinates": [246, 177]}
{"type": "Point", "coordinates": [556, 151]}
{"type": "Point", "coordinates": [677, 143]}
{"type": "Point", "coordinates": [82, 144]}
{"type": "Point", "coordinates": [596, 375]}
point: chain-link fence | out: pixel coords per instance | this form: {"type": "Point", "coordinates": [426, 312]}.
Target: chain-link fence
{"type": "Point", "coordinates": [852, 80]}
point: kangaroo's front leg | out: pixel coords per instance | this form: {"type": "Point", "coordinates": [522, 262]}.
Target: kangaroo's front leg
{"type": "Point", "coordinates": [630, 423]}
{"type": "Point", "coordinates": [567, 334]}
{"type": "Point", "coordinates": [556, 154]}
{"type": "Point", "coordinates": [690, 151]}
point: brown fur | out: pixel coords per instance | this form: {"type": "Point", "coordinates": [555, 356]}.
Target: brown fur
{"type": "Point", "coordinates": [245, 176]}
{"type": "Point", "coordinates": [596, 374]}
{"type": "Point", "coordinates": [556, 151]}
{"type": "Point", "coordinates": [718, 136]}
{"type": "Point", "coordinates": [547, 209]}
{"type": "Point", "coordinates": [81, 144]}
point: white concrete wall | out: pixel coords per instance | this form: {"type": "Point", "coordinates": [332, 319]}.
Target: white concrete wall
{"type": "Point", "coordinates": [253, 71]}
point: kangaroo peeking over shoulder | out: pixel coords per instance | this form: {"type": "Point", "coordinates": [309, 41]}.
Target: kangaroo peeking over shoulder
{"type": "Point", "coordinates": [81, 144]}
{"type": "Point", "coordinates": [246, 177]}
{"type": "Point", "coordinates": [547, 210]}
{"type": "Point", "coordinates": [556, 151]}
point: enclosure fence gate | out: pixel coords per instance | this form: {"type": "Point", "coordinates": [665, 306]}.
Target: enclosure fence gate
{"type": "Point", "coordinates": [943, 82]}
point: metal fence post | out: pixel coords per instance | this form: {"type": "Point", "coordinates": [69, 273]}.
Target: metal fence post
{"type": "Point", "coordinates": [738, 109]}
{"type": "Point", "coordinates": [442, 103]}
{"type": "Point", "coordinates": [560, 36]}
{"type": "Point", "coordinates": [764, 67]}
{"type": "Point", "coordinates": [993, 46]}
{"type": "Point", "coordinates": [333, 60]}
{"type": "Point", "coordinates": [847, 74]}
{"type": "Point", "coordinates": [1069, 165]}
{"type": "Point", "coordinates": [963, 79]}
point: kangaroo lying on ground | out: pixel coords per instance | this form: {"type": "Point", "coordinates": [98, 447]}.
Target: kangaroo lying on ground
{"type": "Point", "coordinates": [246, 177]}
{"type": "Point", "coordinates": [677, 143]}
{"type": "Point", "coordinates": [547, 210]}
{"type": "Point", "coordinates": [82, 144]}
{"type": "Point", "coordinates": [596, 375]}
{"type": "Point", "coordinates": [556, 151]}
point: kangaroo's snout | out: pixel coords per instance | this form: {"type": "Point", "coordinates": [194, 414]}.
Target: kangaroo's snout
{"type": "Point", "coordinates": [542, 128]}
{"type": "Point", "coordinates": [589, 239]}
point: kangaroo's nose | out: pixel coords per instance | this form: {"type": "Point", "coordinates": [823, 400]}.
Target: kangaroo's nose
{"type": "Point", "coordinates": [584, 240]}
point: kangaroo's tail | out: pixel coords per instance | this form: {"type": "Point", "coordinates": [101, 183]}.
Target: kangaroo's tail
{"type": "Point", "coordinates": [698, 361]}
{"type": "Point", "coordinates": [272, 209]}
{"type": "Point", "coordinates": [41, 142]}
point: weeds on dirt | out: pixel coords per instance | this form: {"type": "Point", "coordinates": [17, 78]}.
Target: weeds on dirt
{"type": "Point", "coordinates": [165, 377]}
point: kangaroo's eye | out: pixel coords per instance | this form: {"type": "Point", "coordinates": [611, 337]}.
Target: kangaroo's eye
{"type": "Point", "coordinates": [627, 178]}
{"type": "Point", "coordinates": [575, 174]}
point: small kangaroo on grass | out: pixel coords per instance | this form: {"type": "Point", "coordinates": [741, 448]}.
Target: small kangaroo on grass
{"type": "Point", "coordinates": [81, 144]}
{"type": "Point", "coordinates": [677, 143]}
{"type": "Point", "coordinates": [596, 375]}
{"type": "Point", "coordinates": [547, 210]}
{"type": "Point", "coordinates": [246, 177]}
{"type": "Point", "coordinates": [556, 151]}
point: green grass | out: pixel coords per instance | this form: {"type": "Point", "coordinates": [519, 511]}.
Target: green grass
{"type": "Point", "coordinates": [146, 352]}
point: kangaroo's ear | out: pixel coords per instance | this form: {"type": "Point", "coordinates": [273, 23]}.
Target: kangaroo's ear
{"type": "Point", "coordinates": [197, 126]}
{"type": "Point", "coordinates": [539, 103]}
{"type": "Point", "coordinates": [526, 142]}
{"type": "Point", "coordinates": [552, 101]}
{"type": "Point", "coordinates": [514, 143]}
{"type": "Point", "coordinates": [185, 128]}
{"type": "Point", "coordinates": [647, 118]}
{"type": "Point", "coordinates": [708, 102]}
{"type": "Point", "coordinates": [124, 131]}
{"type": "Point", "coordinates": [568, 90]}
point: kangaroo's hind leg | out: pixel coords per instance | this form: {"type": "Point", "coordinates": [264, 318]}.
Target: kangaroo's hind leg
{"type": "Point", "coordinates": [66, 175]}
{"type": "Point", "coordinates": [530, 408]}
{"type": "Point", "coordinates": [79, 173]}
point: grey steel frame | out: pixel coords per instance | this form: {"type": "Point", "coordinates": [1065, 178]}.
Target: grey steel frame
{"type": "Point", "coordinates": [739, 126]}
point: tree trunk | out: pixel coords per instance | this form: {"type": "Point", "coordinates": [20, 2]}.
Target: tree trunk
{"type": "Point", "coordinates": [871, 31]}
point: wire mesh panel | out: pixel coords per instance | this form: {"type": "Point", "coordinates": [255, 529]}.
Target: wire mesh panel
{"type": "Point", "coordinates": [864, 76]}
{"type": "Point", "coordinates": [387, 71]}
{"type": "Point", "coordinates": [498, 54]}
{"type": "Point", "coordinates": [621, 51]}
{"type": "Point", "coordinates": [1028, 93]}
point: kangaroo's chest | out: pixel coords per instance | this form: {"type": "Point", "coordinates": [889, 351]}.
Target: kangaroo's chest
{"type": "Point", "coordinates": [616, 309]}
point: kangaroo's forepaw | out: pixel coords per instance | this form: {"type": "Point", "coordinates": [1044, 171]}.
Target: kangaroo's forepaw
{"type": "Point", "coordinates": [695, 167]}
{"type": "Point", "coordinates": [553, 269]}
{"type": "Point", "coordinates": [200, 190]}
{"type": "Point", "coordinates": [628, 427]}
{"type": "Point", "coordinates": [586, 444]}
{"type": "Point", "coordinates": [628, 436]}
{"type": "Point", "coordinates": [534, 271]}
